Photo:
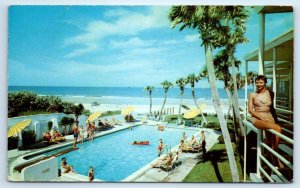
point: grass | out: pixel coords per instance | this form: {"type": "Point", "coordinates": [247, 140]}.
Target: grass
{"type": "Point", "coordinates": [110, 113]}
{"type": "Point", "coordinates": [214, 167]}
{"type": "Point", "coordinates": [28, 113]}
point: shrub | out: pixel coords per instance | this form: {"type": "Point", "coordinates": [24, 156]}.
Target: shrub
{"type": "Point", "coordinates": [28, 138]}
{"type": "Point", "coordinates": [50, 124]}
{"type": "Point", "coordinates": [212, 125]}
{"type": "Point", "coordinates": [13, 142]}
{"type": "Point", "coordinates": [221, 139]}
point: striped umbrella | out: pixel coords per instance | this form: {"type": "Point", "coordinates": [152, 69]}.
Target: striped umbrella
{"type": "Point", "coordinates": [191, 113]}
{"type": "Point", "coordinates": [127, 110]}
{"type": "Point", "coordinates": [93, 116]}
{"type": "Point", "coordinates": [18, 127]}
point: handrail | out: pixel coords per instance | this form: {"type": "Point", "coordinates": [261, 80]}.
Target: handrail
{"type": "Point", "coordinates": [281, 136]}
{"type": "Point", "coordinates": [278, 155]}
{"type": "Point", "coordinates": [274, 169]}
{"type": "Point", "coordinates": [284, 110]}
{"type": "Point", "coordinates": [266, 174]}
{"type": "Point", "coordinates": [285, 121]}
{"type": "Point", "coordinates": [260, 157]}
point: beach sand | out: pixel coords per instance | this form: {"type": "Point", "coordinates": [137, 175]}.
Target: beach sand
{"type": "Point", "coordinates": [142, 105]}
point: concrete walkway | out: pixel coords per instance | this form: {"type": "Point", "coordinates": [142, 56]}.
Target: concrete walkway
{"type": "Point", "coordinates": [188, 160]}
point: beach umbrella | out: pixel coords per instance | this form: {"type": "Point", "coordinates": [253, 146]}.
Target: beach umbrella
{"type": "Point", "coordinates": [191, 113]}
{"type": "Point", "coordinates": [202, 107]}
{"type": "Point", "coordinates": [127, 110]}
{"type": "Point", "coordinates": [93, 116]}
{"type": "Point", "coordinates": [18, 127]}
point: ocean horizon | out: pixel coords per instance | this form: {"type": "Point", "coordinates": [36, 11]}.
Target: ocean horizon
{"type": "Point", "coordinates": [111, 92]}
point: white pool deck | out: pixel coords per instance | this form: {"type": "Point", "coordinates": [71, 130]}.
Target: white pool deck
{"type": "Point", "coordinates": [145, 174]}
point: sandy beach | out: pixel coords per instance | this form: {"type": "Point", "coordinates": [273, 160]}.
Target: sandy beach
{"type": "Point", "coordinates": [142, 105]}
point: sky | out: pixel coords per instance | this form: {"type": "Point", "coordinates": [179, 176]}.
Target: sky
{"type": "Point", "coordinates": [112, 46]}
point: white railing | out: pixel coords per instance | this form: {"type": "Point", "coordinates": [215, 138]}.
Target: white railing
{"type": "Point", "coordinates": [276, 176]}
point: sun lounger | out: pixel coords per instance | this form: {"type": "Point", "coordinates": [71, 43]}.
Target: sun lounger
{"type": "Point", "coordinates": [195, 149]}
{"type": "Point", "coordinates": [171, 165]}
{"type": "Point", "coordinates": [115, 121]}
{"type": "Point", "coordinates": [144, 119]}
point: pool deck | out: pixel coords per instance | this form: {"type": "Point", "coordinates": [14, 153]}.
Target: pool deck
{"type": "Point", "coordinates": [146, 174]}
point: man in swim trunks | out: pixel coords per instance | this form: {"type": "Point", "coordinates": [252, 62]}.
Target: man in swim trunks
{"type": "Point", "coordinates": [160, 147]}
{"type": "Point", "coordinates": [75, 134]}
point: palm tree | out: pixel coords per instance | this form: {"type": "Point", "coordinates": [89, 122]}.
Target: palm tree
{"type": "Point", "coordinates": [191, 79]}
{"type": "Point", "coordinates": [209, 21]}
{"type": "Point", "coordinates": [149, 89]}
{"type": "Point", "coordinates": [251, 75]}
{"type": "Point", "coordinates": [166, 85]}
{"type": "Point", "coordinates": [202, 74]}
{"type": "Point", "coordinates": [78, 110]}
{"type": "Point", "coordinates": [180, 83]}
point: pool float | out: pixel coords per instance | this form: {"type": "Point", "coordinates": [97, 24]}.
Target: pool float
{"type": "Point", "coordinates": [140, 143]}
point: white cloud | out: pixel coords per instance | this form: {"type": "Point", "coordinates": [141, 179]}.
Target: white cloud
{"type": "Point", "coordinates": [127, 25]}
{"type": "Point", "coordinates": [131, 43]}
{"type": "Point", "coordinates": [192, 38]}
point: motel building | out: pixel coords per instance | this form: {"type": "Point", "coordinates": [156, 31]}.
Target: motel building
{"type": "Point", "coordinates": [275, 60]}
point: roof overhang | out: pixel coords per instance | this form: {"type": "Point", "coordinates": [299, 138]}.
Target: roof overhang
{"type": "Point", "coordinates": [273, 9]}
{"type": "Point", "coordinates": [284, 45]}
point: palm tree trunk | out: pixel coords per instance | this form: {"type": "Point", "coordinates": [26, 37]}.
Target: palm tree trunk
{"type": "Point", "coordinates": [150, 104]}
{"type": "Point", "coordinates": [193, 94]}
{"type": "Point", "coordinates": [227, 115]}
{"type": "Point", "coordinates": [235, 99]}
{"type": "Point", "coordinates": [217, 105]}
{"type": "Point", "coordinates": [179, 110]}
{"type": "Point", "coordinates": [162, 108]}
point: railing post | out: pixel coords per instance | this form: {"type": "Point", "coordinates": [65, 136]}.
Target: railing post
{"type": "Point", "coordinates": [245, 153]}
{"type": "Point", "coordinates": [259, 151]}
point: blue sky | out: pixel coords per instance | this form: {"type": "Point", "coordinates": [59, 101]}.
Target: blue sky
{"type": "Point", "coordinates": [111, 45]}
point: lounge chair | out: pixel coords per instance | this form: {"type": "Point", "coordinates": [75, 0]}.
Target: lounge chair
{"type": "Point", "coordinates": [194, 149]}
{"type": "Point", "coordinates": [171, 165]}
{"type": "Point", "coordinates": [114, 121]}
{"type": "Point", "coordinates": [144, 119]}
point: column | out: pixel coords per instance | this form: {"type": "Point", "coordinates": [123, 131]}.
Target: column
{"type": "Point", "coordinates": [274, 74]}
{"type": "Point", "coordinates": [261, 49]}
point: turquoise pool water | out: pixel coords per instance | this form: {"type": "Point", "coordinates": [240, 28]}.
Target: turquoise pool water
{"type": "Point", "coordinates": [115, 158]}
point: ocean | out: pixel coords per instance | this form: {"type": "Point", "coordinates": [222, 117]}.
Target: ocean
{"type": "Point", "coordinates": [135, 92]}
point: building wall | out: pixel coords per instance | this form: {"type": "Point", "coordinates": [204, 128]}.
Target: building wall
{"type": "Point", "coordinates": [43, 171]}
{"type": "Point", "coordinates": [39, 122]}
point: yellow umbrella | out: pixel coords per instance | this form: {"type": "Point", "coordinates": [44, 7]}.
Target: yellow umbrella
{"type": "Point", "coordinates": [18, 127]}
{"type": "Point", "coordinates": [191, 113]}
{"type": "Point", "coordinates": [127, 110]}
{"type": "Point", "coordinates": [93, 116]}
{"type": "Point", "coordinates": [202, 107]}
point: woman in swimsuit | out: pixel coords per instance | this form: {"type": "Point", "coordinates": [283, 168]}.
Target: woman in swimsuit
{"type": "Point", "coordinates": [91, 174]}
{"type": "Point", "coordinates": [81, 133]}
{"type": "Point", "coordinates": [261, 108]}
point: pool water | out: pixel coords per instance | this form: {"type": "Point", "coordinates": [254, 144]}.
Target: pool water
{"type": "Point", "coordinates": [115, 158]}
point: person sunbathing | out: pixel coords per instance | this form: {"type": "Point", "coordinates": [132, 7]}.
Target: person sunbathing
{"type": "Point", "coordinates": [115, 121]}
{"type": "Point", "coordinates": [167, 160]}
{"type": "Point", "coordinates": [65, 167]}
{"type": "Point", "coordinates": [47, 137]}
{"type": "Point", "coordinates": [192, 142]}
{"type": "Point", "coordinates": [58, 137]}
{"type": "Point", "coordinates": [107, 123]}
{"type": "Point", "coordinates": [181, 146]}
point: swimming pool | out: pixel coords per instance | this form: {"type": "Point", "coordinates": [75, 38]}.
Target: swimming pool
{"type": "Point", "coordinates": [115, 158]}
